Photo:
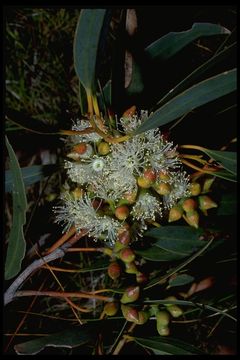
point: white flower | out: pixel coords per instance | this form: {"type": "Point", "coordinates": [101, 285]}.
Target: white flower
{"type": "Point", "coordinates": [85, 171]}
{"type": "Point", "coordinates": [81, 214]}
{"type": "Point", "coordinates": [180, 188]}
{"type": "Point", "coordinates": [146, 207]}
{"type": "Point", "coordinates": [82, 125]}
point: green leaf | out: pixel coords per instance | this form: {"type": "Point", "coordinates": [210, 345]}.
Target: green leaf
{"type": "Point", "coordinates": [16, 242]}
{"type": "Point", "coordinates": [228, 204]}
{"type": "Point", "coordinates": [169, 346]}
{"type": "Point", "coordinates": [30, 175]}
{"type": "Point", "coordinates": [224, 174]}
{"type": "Point", "coordinates": [180, 280]}
{"type": "Point", "coordinates": [199, 94]}
{"type": "Point", "coordinates": [82, 99]}
{"type": "Point", "coordinates": [190, 79]}
{"type": "Point", "coordinates": [173, 42]}
{"type": "Point", "coordinates": [68, 338]}
{"type": "Point", "coordinates": [136, 85]}
{"type": "Point", "coordinates": [154, 253]}
{"type": "Point", "coordinates": [86, 43]}
{"type": "Point", "coordinates": [228, 159]}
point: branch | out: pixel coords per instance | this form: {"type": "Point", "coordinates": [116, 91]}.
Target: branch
{"type": "Point", "coordinates": [10, 293]}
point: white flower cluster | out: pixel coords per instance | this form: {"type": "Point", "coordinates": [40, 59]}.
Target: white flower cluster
{"type": "Point", "coordinates": [140, 176]}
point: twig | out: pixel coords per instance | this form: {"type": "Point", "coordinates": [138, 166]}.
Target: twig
{"type": "Point", "coordinates": [10, 293]}
{"type": "Point", "coordinates": [81, 295]}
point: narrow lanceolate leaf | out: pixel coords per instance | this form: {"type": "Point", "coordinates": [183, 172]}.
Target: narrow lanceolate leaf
{"type": "Point", "coordinates": [86, 43]}
{"type": "Point", "coordinates": [16, 242]}
{"type": "Point", "coordinates": [228, 159]}
{"type": "Point", "coordinates": [198, 95]}
{"type": "Point", "coordinates": [173, 42]}
{"type": "Point", "coordinates": [170, 346]}
{"type": "Point", "coordinates": [180, 280]}
{"type": "Point", "coordinates": [66, 339]}
{"type": "Point", "coordinates": [30, 175]}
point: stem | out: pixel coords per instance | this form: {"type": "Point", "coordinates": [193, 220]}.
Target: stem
{"type": "Point", "coordinates": [62, 240]}
{"type": "Point", "coordinates": [209, 171]}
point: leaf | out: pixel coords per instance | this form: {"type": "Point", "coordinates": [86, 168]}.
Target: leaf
{"type": "Point", "coordinates": [16, 242]}
{"type": "Point", "coordinates": [30, 175]}
{"type": "Point", "coordinates": [68, 338]}
{"type": "Point", "coordinates": [199, 94]}
{"type": "Point", "coordinates": [228, 204]}
{"type": "Point", "coordinates": [173, 42]}
{"type": "Point", "coordinates": [86, 44]}
{"type": "Point", "coordinates": [154, 253]}
{"type": "Point", "coordinates": [136, 85]}
{"type": "Point", "coordinates": [180, 280]}
{"type": "Point", "coordinates": [228, 159]}
{"type": "Point", "coordinates": [189, 80]}
{"type": "Point", "coordinates": [169, 346]}
{"type": "Point", "coordinates": [182, 240]}
{"type": "Point", "coordinates": [223, 174]}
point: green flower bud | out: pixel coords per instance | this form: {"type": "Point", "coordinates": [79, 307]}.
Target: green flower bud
{"type": "Point", "coordinates": [175, 213]}
{"type": "Point", "coordinates": [163, 318]}
{"type": "Point", "coordinates": [163, 331]}
{"type": "Point", "coordinates": [127, 255]}
{"type": "Point", "coordinates": [103, 148]}
{"type": "Point", "coordinates": [131, 294]}
{"type": "Point", "coordinates": [111, 308]}
{"type": "Point", "coordinates": [193, 218]}
{"type": "Point", "coordinates": [206, 203]}
{"type": "Point", "coordinates": [207, 184]}
{"type": "Point", "coordinates": [114, 270]}
{"type": "Point", "coordinates": [141, 277]}
{"type": "Point", "coordinates": [130, 313]}
{"type": "Point", "coordinates": [143, 317]}
{"type": "Point", "coordinates": [189, 205]}
{"type": "Point", "coordinates": [130, 268]}
{"type": "Point", "coordinates": [143, 182]}
{"type": "Point", "coordinates": [175, 310]}
{"type": "Point", "coordinates": [195, 188]}
{"type": "Point", "coordinates": [162, 188]}
{"type": "Point", "coordinates": [163, 175]}
{"type": "Point", "coordinates": [170, 298]}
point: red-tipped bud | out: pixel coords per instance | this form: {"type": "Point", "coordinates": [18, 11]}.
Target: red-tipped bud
{"type": "Point", "coordinates": [130, 268]}
{"type": "Point", "coordinates": [150, 175]}
{"type": "Point", "coordinates": [162, 188]}
{"type": "Point", "coordinates": [131, 294]}
{"type": "Point", "coordinates": [127, 255]}
{"type": "Point", "coordinates": [175, 213]}
{"type": "Point", "coordinates": [122, 212]}
{"type": "Point", "coordinates": [195, 188]}
{"type": "Point", "coordinates": [129, 112]}
{"type": "Point", "coordinates": [141, 278]}
{"type": "Point", "coordinates": [114, 270]}
{"type": "Point", "coordinates": [80, 148]}
{"type": "Point", "coordinates": [192, 218]}
{"type": "Point", "coordinates": [129, 313]}
{"type": "Point", "coordinates": [111, 308]}
{"type": "Point", "coordinates": [189, 205]}
{"type": "Point", "coordinates": [103, 148]}
{"type": "Point", "coordinates": [206, 203]}
{"type": "Point", "coordinates": [124, 236]}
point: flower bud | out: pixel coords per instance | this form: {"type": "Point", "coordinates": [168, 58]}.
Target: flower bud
{"type": "Point", "coordinates": [150, 175]}
{"type": "Point", "coordinates": [175, 213]}
{"type": "Point", "coordinates": [129, 313]}
{"type": "Point", "coordinates": [80, 148]}
{"type": "Point", "coordinates": [189, 205]}
{"type": "Point", "coordinates": [131, 294]}
{"type": "Point", "coordinates": [103, 148]}
{"type": "Point", "coordinates": [124, 235]}
{"type": "Point", "coordinates": [122, 212]}
{"type": "Point", "coordinates": [175, 310]}
{"type": "Point", "coordinates": [163, 318]}
{"type": "Point", "coordinates": [192, 218]}
{"type": "Point", "coordinates": [111, 308]}
{"type": "Point", "coordinates": [195, 188]}
{"type": "Point", "coordinates": [129, 112]}
{"type": "Point", "coordinates": [163, 175]}
{"type": "Point", "coordinates": [207, 184]}
{"type": "Point", "coordinates": [163, 331]}
{"type": "Point", "coordinates": [141, 277]}
{"type": "Point", "coordinates": [143, 317]}
{"type": "Point", "coordinates": [127, 255]}
{"type": "Point", "coordinates": [114, 270]}
{"type": "Point", "coordinates": [143, 182]}
{"type": "Point", "coordinates": [130, 268]}
{"type": "Point", "coordinates": [206, 203]}
{"type": "Point", "coordinates": [162, 188]}
{"type": "Point", "coordinates": [130, 197]}
{"type": "Point", "coordinates": [77, 193]}
{"type": "Point", "coordinates": [170, 298]}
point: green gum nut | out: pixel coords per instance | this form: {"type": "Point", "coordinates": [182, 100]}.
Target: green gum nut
{"type": "Point", "coordinates": [111, 308]}
{"type": "Point", "coordinates": [131, 294]}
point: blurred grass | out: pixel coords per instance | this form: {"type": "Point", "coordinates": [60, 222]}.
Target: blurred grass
{"type": "Point", "coordinates": [40, 78]}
